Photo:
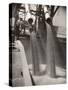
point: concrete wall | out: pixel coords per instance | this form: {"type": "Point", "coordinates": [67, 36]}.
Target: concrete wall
{"type": "Point", "coordinates": [60, 17]}
{"type": "Point", "coordinates": [59, 20]}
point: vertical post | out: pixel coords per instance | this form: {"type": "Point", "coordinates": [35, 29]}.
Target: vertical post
{"type": "Point", "coordinates": [34, 48]}
{"type": "Point", "coordinates": [34, 54]}
{"type": "Point", "coordinates": [50, 46]}
{"type": "Point", "coordinates": [51, 71]}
